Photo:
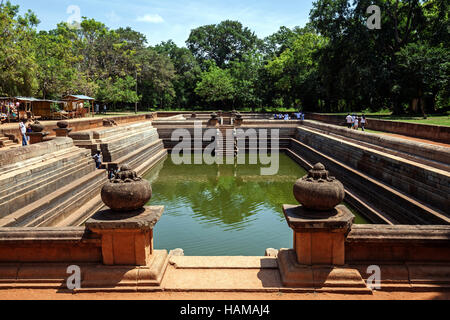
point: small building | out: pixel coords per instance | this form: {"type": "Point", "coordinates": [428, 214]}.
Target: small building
{"type": "Point", "coordinates": [37, 108]}
{"type": "Point", "coordinates": [75, 104]}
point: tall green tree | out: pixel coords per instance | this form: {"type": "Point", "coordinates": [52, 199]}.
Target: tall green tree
{"type": "Point", "coordinates": [217, 87]}
{"type": "Point", "coordinates": [295, 71]}
{"type": "Point", "coordinates": [187, 73]}
{"type": "Point", "coordinates": [17, 57]}
{"type": "Point", "coordinates": [225, 42]}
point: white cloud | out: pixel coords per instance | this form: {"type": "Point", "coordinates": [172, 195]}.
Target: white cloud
{"type": "Point", "coordinates": [151, 18]}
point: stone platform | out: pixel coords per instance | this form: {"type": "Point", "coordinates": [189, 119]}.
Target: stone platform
{"type": "Point", "coordinates": [207, 275]}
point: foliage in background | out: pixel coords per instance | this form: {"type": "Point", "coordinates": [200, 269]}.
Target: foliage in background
{"type": "Point", "coordinates": [333, 64]}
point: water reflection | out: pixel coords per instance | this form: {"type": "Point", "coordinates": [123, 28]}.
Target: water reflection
{"type": "Point", "coordinates": [225, 194]}
{"type": "Point", "coordinates": [223, 209]}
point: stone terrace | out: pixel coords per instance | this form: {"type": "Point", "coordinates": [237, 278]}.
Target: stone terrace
{"type": "Point", "coordinates": [43, 184]}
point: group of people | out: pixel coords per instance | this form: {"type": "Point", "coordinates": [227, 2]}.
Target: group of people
{"type": "Point", "coordinates": [297, 116]}
{"type": "Point", "coordinates": [8, 110]}
{"type": "Point", "coordinates": [354, 122]}
{"type": "Point", "coordinates": [97, 109]}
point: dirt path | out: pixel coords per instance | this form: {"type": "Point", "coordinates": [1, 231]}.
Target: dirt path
{"type": "Point", "coordinates": [15, 294]}
{"type": "Point", "coordinates": [414, 139]}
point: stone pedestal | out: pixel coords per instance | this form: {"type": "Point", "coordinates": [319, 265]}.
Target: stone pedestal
{"type": "Point", "coordinates": [319, 237]}
{"type": "Point", "coordinates": [318, 258]}
{"type": "Point", "coordinates": [37, 137]}
{"type": "Point", "coordinates": [127, 239]}
{"type": "Point", "coordinates": [62, 132]}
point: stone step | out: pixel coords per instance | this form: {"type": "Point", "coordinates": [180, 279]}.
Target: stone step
{"type": "Point", "coordinates": [33, 184]}
{"type": "Point", "coordinates": [113, 151]}
{"type": "Point", "coordinates": [43, 167]}
{"type": "Point", "coordinates": [120, 130]}
{"type": "Point", "coordinates": [36, 162]}
{"type": "Point", "coordinates": [397, 206]}
{"type": "Point", "coordinates": [145, 156]}
{"type": "Point", "coordinates": [427, 184]}
{"type": "Point", "coordinates": [43, 171]}
{"type": "Point", "coordinates": [145, 166]}
{"type": "Point", "coordinates": [89, 190]}
{"type": "Point", "coordinates": [82, 214]}
{"type": "Point", "coordinates": [31, 214]}
{"type": "Point", "coordinates": [140, 154]}
{"type": "Point", "coordinates": [121, 147]}
{"type": "Point", "coordinates": [38, 190]}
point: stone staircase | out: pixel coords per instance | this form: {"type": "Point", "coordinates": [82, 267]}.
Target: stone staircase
{"type": "Point", "coordinates": [137, 145]}
{"type": "Point", "coordinates": [403, 191]}
{"type": "Point", "coordinates": [7, 142]}
{"type": "Point", "coordinates": [46, 183]}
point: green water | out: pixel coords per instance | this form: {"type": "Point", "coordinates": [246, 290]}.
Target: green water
{"type": "Point", "coordinates": [225, 210]}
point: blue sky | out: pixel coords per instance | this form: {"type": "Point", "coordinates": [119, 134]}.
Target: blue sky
{"type": "Point", "coordinates": [161, 20]}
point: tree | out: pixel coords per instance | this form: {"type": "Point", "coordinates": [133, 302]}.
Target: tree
{"type": "Point", "coordinates": [228, 41]}
{"type": "Point", "coordinates": [56, 72]}
{"type": "Point", "coordinates": [216, 86]}
{"type": "Point", "coordinates": [187, 72]}
{"type": "Point", "coordinates": [246, 78]}
{"type": "Point", "coordinates": [295, 71]}
{"type": "Point", "coordinates": [156, 78]}
{"type": "Point", "coordinates": [17, 58]}
{"type": "Point", "coordinates": [425, 72]}
{"type": "Point", "coordinates": [120, 90]}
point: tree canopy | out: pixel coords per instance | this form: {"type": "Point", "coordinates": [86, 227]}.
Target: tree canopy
{"type": "Point", "coordinates": [335, 63]}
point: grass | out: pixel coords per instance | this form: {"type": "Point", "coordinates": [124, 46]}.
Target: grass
{"type": "Point", "coordinates": [431, 120]}
{"type": "Point", "coordinates": [438, 120]}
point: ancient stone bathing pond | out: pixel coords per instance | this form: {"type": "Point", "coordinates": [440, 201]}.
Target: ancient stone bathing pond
{"type": "Point", "coordinates": [223, 210]}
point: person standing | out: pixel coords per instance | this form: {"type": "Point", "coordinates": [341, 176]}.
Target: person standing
{"type": "Point", "coordinates": [29, 130]}
{"type": "Point", "coordinates": [349, 121]}
{"type": "Point", "coordinates": [104, 109]}
{"type": "Point", "coordinates": [356, 124]}
{"type": "Point", "coordinates": [363, 122]}
{"type": "Point", "coordinates": [23, 132]}
{"type": "Point", "coordinates": [98, 159]}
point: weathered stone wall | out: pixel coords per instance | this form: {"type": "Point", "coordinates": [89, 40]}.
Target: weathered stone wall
{"type": "Point", "coordinates": [422, 131]}
{"type": "Point", "coordinates": [391, 204]}
{"type": "Point", "coordinates": [137, 145]}
{"type": "Point", "coordinates": [424, 183]}
{"type": "Point", "coordinates": [84, 123]}
{"type": "Point", "coordinates": [377, 244]}
{"type": "Point", "coordinates": [49, 245]}
{"type": "Point", "coordinates": [423, 150]}
{"type": "Point", "coordinates": [393, 244]}
{"type": "Point", "coordinates": [166, 129]}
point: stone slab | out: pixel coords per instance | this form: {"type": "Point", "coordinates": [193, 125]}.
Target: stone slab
{"type": "Point", "coordinates": [221, 280]}
{"type": "Point", "coordinates": [300, 219]}
{"type": "Point", "coordinates": [143, 219]}
{"type": "Point", "coordinates": [188, 262]}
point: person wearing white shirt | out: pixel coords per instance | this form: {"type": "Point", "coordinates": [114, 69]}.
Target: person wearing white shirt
{"type": "Point", "coordinates": [363, 122]}
{"type": "Point", "coordinates": [349, 121]}
{"type": "Point", "coordinates": [23, 132]}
